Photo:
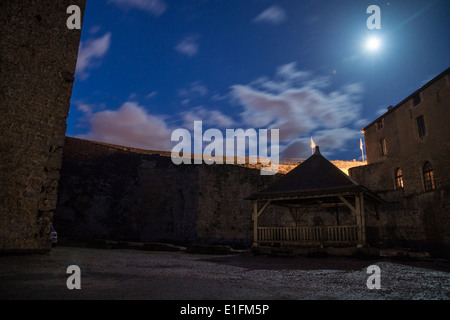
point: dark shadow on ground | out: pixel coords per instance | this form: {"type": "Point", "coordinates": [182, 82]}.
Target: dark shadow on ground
{"type": "Point", "coordinates": [264, 262]}
{"type": "Point", "coordinates": [291, 263]}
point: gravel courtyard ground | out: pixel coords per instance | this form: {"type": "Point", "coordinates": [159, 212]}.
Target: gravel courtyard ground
{"type": "Point", "coordinates": [130, 274]}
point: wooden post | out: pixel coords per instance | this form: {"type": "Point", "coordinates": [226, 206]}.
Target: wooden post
{"type": "Point", "coordinates": [358, 221]}
{"type": "Point", "coordinates": [255, 223]}
{"type": "Point", "coordinates": [337, 215]}
{"type": "Point", "coordinates": [292, 212]}
{"type": "Point", "coordinates": [363, 219]}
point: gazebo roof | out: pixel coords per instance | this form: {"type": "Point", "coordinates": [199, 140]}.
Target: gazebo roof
{"type": "Point", "coordinates": [314, 177]}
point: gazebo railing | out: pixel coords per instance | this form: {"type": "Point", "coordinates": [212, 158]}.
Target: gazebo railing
{"type": "Point", "coordinates": [328, 234]}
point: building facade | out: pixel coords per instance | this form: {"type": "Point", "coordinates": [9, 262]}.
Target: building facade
{"type": "Point", "coordinates": [408, 156]}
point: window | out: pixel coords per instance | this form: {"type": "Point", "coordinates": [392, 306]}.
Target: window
{"type": "Point", "coordinates": [421, 127]}
{"type": "Point", "coordinates": [380, 124]}
{"type": "Point", "coordinates": [428, 177]}
{"type": "Point", "coordinates": [383, 147]}
{"type": "Point", "coordinates": [398, 179]}
{"type": "Point", "coordinates": [416, 99]}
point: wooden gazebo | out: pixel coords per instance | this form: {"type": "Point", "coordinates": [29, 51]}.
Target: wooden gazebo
{"type": "Point", "coordinates": [315, 183]}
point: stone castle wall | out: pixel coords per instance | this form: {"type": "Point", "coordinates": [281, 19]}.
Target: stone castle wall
{"type": "Point", "coordinates": [223, 214]}
{"type": "Point", "coordinates": [106, 192]}
{"type": "Point", "coordinates": [38, 55]}
{"type": "Point", "coordinates": [109, 193]}
{"type": "Point", "coordinates": [284, 168]}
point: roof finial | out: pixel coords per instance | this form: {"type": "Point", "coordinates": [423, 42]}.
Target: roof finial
{"type": "Point", "coordinates": [317, 150]}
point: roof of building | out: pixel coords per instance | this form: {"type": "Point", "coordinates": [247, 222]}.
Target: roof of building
{"type": "Point", "coordinates": [315, 176]}
{"type": "Point", "coordinates": [392, 109]}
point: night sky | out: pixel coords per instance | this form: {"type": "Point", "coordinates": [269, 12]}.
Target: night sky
{"type": "Point", "coordinates": [148, 67]}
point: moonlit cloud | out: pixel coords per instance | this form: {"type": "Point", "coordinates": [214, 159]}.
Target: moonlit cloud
{"type": "Point", "coordinates": [90, 53]}
{"type": "Point", "coordinates": [194, 94]}
{"type": "Point", "coordinates": [298, 104]}
{"type": "Point", "coordinates": [219, 97]}
{"type": "Point", "coordinates": [287, 76]}
{"type": "Point", "coordinates": [380, 111]}
{"type": "Point", "coordinates": [188, 46]}
{"type": "Point", "coordinates": [151, 94]}
{"type": "Point", "coordinates": [130, 125]}
{"type": "Point", "coordinates": [361, 123]}
{"type": "Point", "coordinates": [199, 88]}
{"type": "Point", "coordinates": [196, 89]}
{"type": "Point", "coordinates": [94, 30]}
{"type": "Point", "coordinates": [273, 15]}
{"type": "Point", "coordinates": [85, 108]}
{"type": "Point", "coordinates": [155, 7]}
{"type": "Point", "coordinates": [212, 118]}
{"type": "Point", "coordinates": [329, 141]}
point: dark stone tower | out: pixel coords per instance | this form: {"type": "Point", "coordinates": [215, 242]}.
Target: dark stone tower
{"type": "Point", "coordinates": [38, 56]}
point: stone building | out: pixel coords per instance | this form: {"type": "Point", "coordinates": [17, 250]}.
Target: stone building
{"type": "Point", "coordinates": [408, 155]}
{"type": "Point", "coordinates": [38, 56]}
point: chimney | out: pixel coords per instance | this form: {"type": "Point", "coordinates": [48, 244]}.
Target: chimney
{"type": "Point", "coordinates": [317, 150]}
{"type": "Point", "coordinates": [390, 108]}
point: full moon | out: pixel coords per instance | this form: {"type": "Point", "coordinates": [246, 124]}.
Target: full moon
{"type": "Point", "coordinates": [373, 44]}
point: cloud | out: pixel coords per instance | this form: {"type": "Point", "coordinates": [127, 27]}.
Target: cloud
{"type": "Point", "coordinates": [287, 76]}
{"type": "Point", "coordinates": [329, 141]}
{"type": "Point", "coordinates": [273, 15]}
{"type": "Point", "coordinates": [155, 7]}
{"type": "Point", "coordinates": [196, 89]}
{"type": "Point", "coordinates": [337, 139]}
{"type": "Point", "coordinates": [90, 53]}
{"type": "Point", "coordinates": [193, 94]}
{"type": "Point", "coordinates": [130, 125]}
{"type": "Point", "coordinates": [94, 30]}
{"type": "Point", "coordinates": [188, 46]}
{"type": "Point", "coordinates": [133, 96]}
{"type": "Point", "coordinates": [361, 123]}
{"type": "Point", "coordinates": [85, 108]}
{"type": "Point", "coordinates": [298, 104]}
{"type": "Point", "coordinates": [212, 118]}
{"type": "Point", "coordinates": [219, 97]}
{"type": "Point", "coordinates": [151, 94]}
{"type": "Point", "coordinates": [380, 111]}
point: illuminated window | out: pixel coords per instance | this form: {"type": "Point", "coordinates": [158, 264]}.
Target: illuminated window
{"type": "Point", "coordinates": [428, 177]}
{"type": "Point", "coordinates": [383, 147]}
{"type": "Point", "coordinates": [399, 179]}
{"type": "Point", "coordinates": [421, 127]}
